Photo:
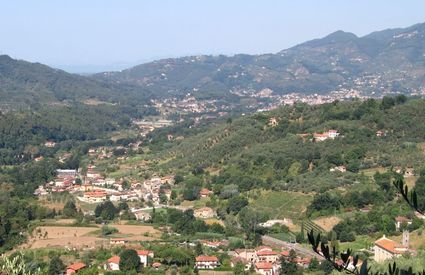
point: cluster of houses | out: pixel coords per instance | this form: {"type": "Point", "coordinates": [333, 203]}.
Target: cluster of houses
{"type": "Point", "coordinates": [113, 263]}
{"type": "Point", "coordinates": [331, 134]}
{"type": "Point", "coordinates": [64, 181]}
{"type": "Point", "coordinates": [94, 188]}
{"type": "Point", "coordinates": [264, 260]}
{"type": "Point", "coordinates": [317, 137]}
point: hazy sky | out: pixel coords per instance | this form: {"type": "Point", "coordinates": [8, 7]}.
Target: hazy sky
{"type": "Point", "coordinates": [89, 35]}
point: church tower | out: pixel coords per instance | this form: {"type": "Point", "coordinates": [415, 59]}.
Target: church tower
{"type": "Point", "coordinates": [405, 240]}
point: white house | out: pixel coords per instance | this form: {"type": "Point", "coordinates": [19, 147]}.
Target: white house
{"type": "Point", "coordinates": [265, 268]}
{"type": "Point", "coordinates": [144, 256]}
{"type": "Point", "coordinates": [206, 262]}
{"type": "Point", "coordinates": [114, 263]}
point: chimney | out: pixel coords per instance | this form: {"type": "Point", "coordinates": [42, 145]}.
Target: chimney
{"type": "Point", "coordinates": [405, 240]}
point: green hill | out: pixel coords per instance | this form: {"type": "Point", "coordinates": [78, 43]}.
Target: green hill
{"type": "Point", "coordinates": [249, 152]}
{"type": "Point", "coordinates": [386, 61]}
{"type": "Point", "coordinates": [24, 84]}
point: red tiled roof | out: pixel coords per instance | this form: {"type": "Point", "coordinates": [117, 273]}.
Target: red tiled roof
{"type": "Point", "coordinates": [143, 252]}
{"type": "Point", "coordinates": [263, 265]}
{"type": "Point", "coordinates": [205, 258]}
{"type": "Point", "coordinates": [76, 266]}
{"type": "Point", "coordinates": [303, 260]}
{"type": "Point", "coordinates": [156, 264]}
{"type": "Point", "coordinates": [204, 191]}
{"type": "Point", "coordinates": [114, 259]}
{"type": "Point", "coordinates": [266, 253]}
{"type": "Point", "coordinates": [284, 253]}
{"type": "Point", "coordinates": [390, 246]}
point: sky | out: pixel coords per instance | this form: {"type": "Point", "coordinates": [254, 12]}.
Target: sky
{"type": "Point", "coordinates": [99, 35]}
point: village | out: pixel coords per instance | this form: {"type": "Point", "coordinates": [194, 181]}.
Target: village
{"type": "Point", "coordinates": [89, 186]}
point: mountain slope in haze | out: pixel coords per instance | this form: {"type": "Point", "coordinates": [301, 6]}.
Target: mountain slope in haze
{"type": "Point", "coordinates": [26, 84]}
{"type": "Point", "coordinates": [382, 62]}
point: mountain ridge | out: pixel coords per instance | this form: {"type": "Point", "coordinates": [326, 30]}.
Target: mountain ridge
{"type": "Point", "coordinates": [339, 60]}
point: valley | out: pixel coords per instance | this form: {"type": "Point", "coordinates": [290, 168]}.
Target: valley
{"type": "Point", "coordinates": [231, 164]}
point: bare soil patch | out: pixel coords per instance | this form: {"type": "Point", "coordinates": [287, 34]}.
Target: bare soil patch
{"type": "Point", "coordinates": [71, 237]}
{"type": "Point", "coordinates": [327, 223]}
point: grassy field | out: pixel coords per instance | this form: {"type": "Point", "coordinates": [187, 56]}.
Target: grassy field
{"type": "Point", "coordinates": [279, 205]}
{"type": "Point", "coordinates": [371, 171]}
{"type": "Point", "coordinates": [416, 240]}
{"type": "Point", "coordinates": [361, 242]}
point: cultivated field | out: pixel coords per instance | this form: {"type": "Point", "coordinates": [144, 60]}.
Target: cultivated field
{"type": "Point", "coordinates": [71, 237]}
{"type": "Point", "coordinates": [327, 223]}
{"type": "Point", "coordinates": [279, 205]}
{"type": "Point", "coordinates": [63, 236]}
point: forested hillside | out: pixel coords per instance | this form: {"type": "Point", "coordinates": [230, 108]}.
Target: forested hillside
{"type": "Point", "coordinates": [382, 62]}
{"type": "Point", "coordinates": [251, 151]}
{"type": "Point", "coordinates": [24, 84]}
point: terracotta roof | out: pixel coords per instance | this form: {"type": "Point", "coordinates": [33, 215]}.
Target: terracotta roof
{"type": "Point", "coordinates": [303, 260]}
{"type": "Point", "coordinates": [284, 253]}
{"type": "Point", "coordinates": [320, 135]}
{"type": "Point", "coordinates": [143, 252]}
{"type": "Point", "coordinates": [114, 260]}
{"type": "Point", "coordinates": [241, 250]}
{"type": "Point", "coordinates": [390, 246]}
{"type": "Point", "coordinates": [266, 253]}
{"type": "Point", "coordinates": [263, 265]}
{"type": "Point", "coordinates": [204, 191]}
{"type": "Point", "coordinates": [76, 266]}
{"type": "Point", "coordinates": [205, 258]}
{"type": "Point", "coordinates": [401, 219]}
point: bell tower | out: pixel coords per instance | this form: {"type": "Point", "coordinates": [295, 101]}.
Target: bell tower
{"type": "Point", "coordinates": [405, 240]}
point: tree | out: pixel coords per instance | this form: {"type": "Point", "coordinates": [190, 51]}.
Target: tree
{"type": "Point", "coordinates": [400, 99]}
{"type": "Point", "coordinates": [387, 102]}
{"type": "Point", "coordinates": [236, 204]}
{"type": "Point", "coordinates": [300, 238]}
{"type": "Point", "coordinates": [163, 198]}
{"type": "Point", "coordinates": [129, 260]}
{"type": "Point", "coordinates": [198, 249]}
{"type": "Point", "coordinates": [288, 267]}
{"type": "Point", "coordinates": [69, 209]}
{"type": "Point", "coordinates": [106, 210]}
{"type": "Point", "coordinates": [249, 220]}
{"type": "Point", "coordinates": [56, 266]}
{"type": "Point", "coordinates": [420, 190]}
{"type": "Point", "coordinates": [314, 264]}
{"type": "Point", "coordinates": [107, 230]}
{"type": "Point", "coordinates": [239, 269]}
{"type": "Point", "coordinates": [326, 267]}
{"type": "Point", "coordinates": [16, 264]}
{"type": "Point", "coordinates": [122, 206]}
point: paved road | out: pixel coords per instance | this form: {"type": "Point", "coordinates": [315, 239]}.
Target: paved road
{"type": "Point", "coordinates": [298, 248]}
